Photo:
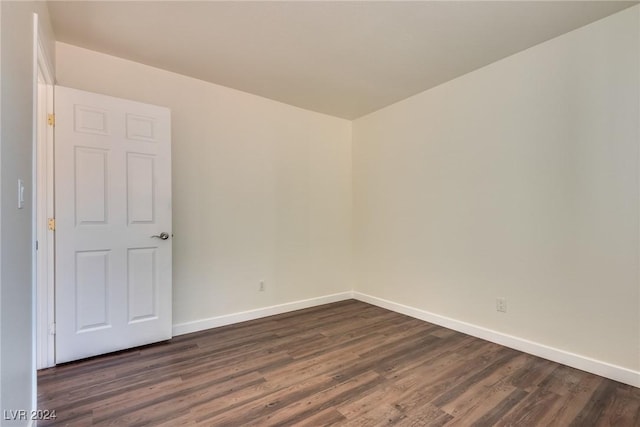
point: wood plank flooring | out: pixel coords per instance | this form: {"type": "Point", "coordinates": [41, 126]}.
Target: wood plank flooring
{"type": "Point", "coordinates": [347, 363]}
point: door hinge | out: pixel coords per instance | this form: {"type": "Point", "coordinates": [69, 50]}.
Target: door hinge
{"type": "Point", "coordinates": [51, 119]}
{"type": "Point", "coordinates": [52, 329]}
{"type": "Point", "coordinates": [52, 224]}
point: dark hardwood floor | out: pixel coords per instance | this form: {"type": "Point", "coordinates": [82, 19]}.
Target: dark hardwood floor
{"type": "Point", "coordinates": [347, 363]}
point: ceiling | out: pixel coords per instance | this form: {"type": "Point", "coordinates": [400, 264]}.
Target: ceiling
{"type": "Point", "coordinates": [345, 59]}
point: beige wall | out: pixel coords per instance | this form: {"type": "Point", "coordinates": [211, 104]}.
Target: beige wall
{"type": "Point", "coordinates": [17, 369]}
{"type": "Point", "coordinates": [261, 190]}
{"type": "Point", "coordinates": [519, 180]}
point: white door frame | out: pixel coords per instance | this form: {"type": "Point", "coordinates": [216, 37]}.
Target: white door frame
{"type": "Point", "coordinates": [43, 205]}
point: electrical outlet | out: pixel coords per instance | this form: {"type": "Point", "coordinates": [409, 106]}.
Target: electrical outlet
{"type": "Point", "coordinates": [501, 305]}
{"type": "Point", "coordinates": [261, 287]}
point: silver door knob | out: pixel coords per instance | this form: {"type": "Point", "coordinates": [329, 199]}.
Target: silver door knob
{"type": "Point", "coordinates": [163, 236]}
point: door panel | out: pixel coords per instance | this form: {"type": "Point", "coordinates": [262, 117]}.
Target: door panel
{"type": "Point", "coordinates": [91, 290]}
{"type": "Point", "coordinates": [140, 188]}
{"type": "Point", "coordinates": [91, 172]}
{"type": "Point", "coordinates": [113, 194]}
{"type": "Point", "coordinates": [142, 283]}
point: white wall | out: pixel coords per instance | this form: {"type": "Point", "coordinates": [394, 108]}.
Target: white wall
{"type": "Point", "coordinates": [262, 190]}
{"type": "Point", "coordinates": [518, 180]}
{"type": "Point", "coordinates": [1, 374]}
{"type": "Point", "coordinates": [16, 150]}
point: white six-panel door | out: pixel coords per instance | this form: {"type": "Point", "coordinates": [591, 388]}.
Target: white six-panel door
{"type": "Point", "coordinates": [112, 194]}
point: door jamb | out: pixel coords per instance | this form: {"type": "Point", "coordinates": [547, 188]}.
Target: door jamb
{"type": "Point", "coordinates": [44, 206]}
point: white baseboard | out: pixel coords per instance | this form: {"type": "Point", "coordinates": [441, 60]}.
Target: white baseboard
{"type": "Point", "coordinates": [604, 369]}
{"type": "Point", "coordinates": [228, 319]}
{"type": "Point", "coordinates": [577, 361]}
